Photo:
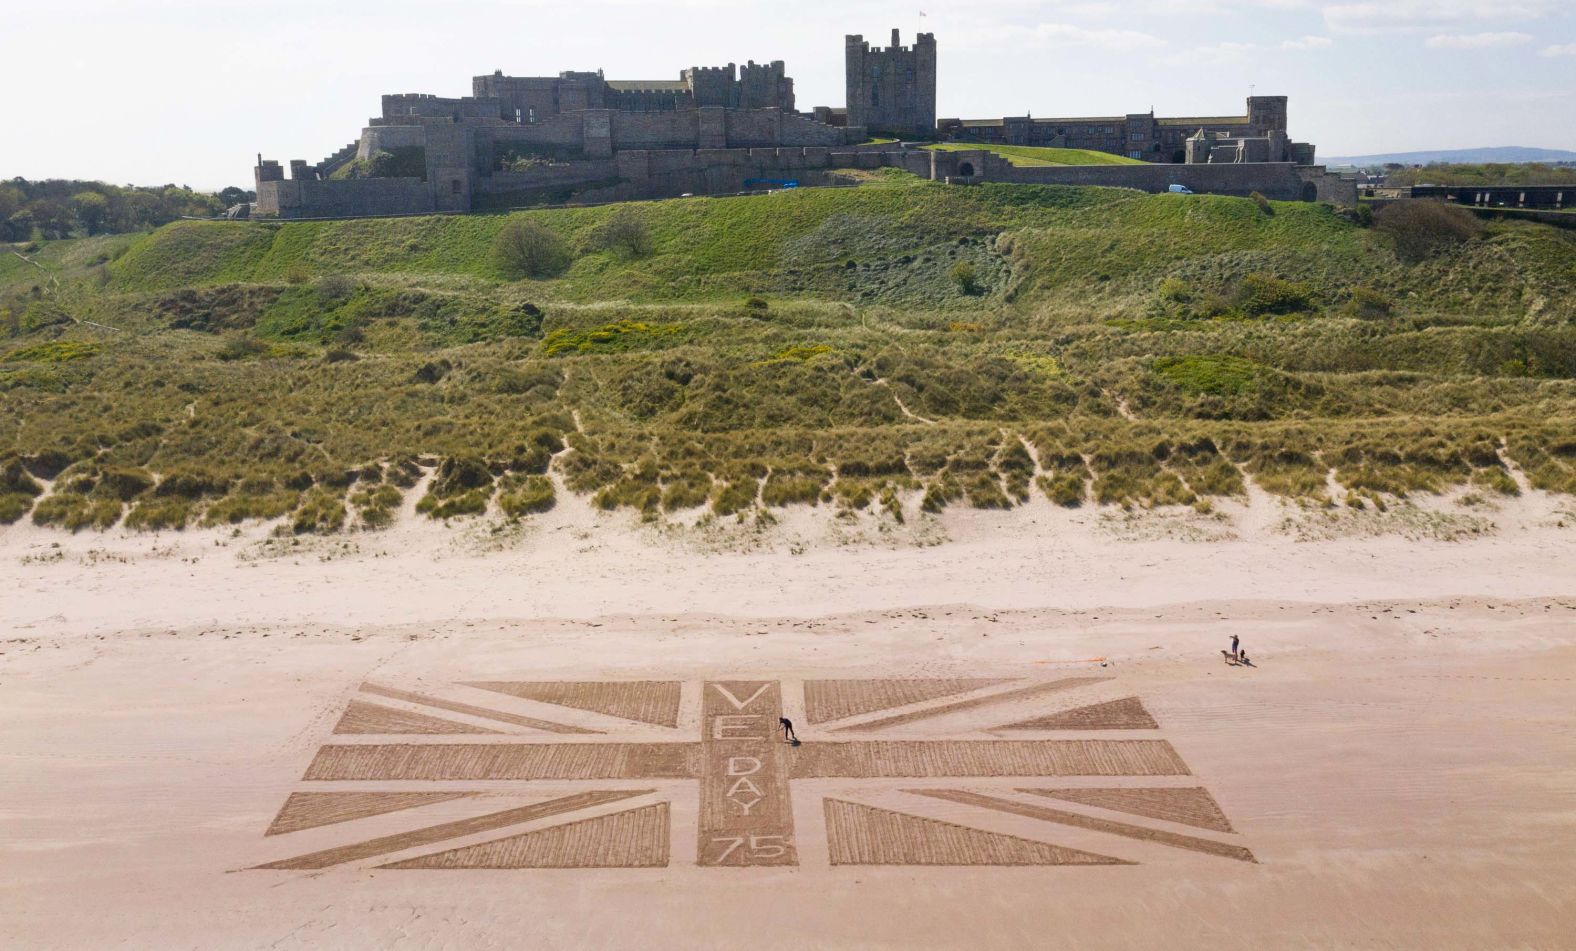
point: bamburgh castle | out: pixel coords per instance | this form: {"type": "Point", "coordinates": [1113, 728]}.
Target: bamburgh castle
{"type": "Point", "coordinates": [579, 136]}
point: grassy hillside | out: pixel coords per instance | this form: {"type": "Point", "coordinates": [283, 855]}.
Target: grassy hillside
{"type": "Point", "coordinates": [817, 346]}
{"type": "Point", "coordinates": [1035, 155]}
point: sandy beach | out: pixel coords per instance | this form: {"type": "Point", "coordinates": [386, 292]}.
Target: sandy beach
{"type": "Point", "coordinates": [1395, 770]}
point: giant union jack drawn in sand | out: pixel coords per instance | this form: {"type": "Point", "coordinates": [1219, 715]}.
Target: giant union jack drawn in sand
{"type": "Point", "coordinates": [521, 774]}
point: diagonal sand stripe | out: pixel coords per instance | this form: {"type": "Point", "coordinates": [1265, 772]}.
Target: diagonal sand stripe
{"type": "Point", "coordinates": [363, 717]}
{"type": "Point", "coordinates": [858, 834]}
{"type": "Point", "coordinates": [1187, 805]}
{"type": "Point", "coordinates": [1033, 690]}
{"type": "Point", "coordinates": [1127, 713]}
{"type": "Point", "coordinates": [452, 830]}
{"type": "Point", "coordinates": [826, 700]}
{"type": "Point", "coordinates": [1047, 814]}
{"type": "Point", "coordinates": [466, 708]}
{"type": "Point", "coordinates": [634, 838]}
{"type": "Point", "coordinates": [308, 810]}
{"type": "Point", "coordinates": [646, 701]}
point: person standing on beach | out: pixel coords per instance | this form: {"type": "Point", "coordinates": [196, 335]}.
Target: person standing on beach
{"type": "Point", "coordinates": [788, 734]}
{"type": "Point", "coordinates": [1235, 654]}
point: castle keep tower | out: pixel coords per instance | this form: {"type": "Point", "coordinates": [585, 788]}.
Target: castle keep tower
{"type": "Point", "coordinates": [892, 90]}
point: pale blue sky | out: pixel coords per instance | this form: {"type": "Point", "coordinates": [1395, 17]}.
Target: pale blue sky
{"type": "Point", "coordinates": [188, 91]}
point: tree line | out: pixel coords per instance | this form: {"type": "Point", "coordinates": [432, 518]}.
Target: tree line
{"type": "Point", "coordinates": [1488, 174]}
{"type": "Point", "coordinates": [62, 208]}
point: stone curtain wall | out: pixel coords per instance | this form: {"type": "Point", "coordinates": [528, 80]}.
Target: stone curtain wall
{"type": "Point", "coordinates": [1280, 181]}
{"type": "Point", "coordinates": [687, 129]}
{"type": "Point", "coordinates": [353, 198]}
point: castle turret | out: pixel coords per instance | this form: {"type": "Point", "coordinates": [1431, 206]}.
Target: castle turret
{"type": "Point", "coordinates": [892, 90]}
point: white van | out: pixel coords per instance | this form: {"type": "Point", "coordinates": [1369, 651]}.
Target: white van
{"type": "Point", "coordinates": [1180, 190]}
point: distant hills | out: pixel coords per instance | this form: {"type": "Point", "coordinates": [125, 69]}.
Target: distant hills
{"type": "Point", "coordinates": [1505, 154]}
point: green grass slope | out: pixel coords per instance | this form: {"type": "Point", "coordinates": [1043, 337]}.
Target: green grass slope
{"type": "Point", "coordinates": [806, 347]}
{"type": "Point", "coordinates": [1030, 156]}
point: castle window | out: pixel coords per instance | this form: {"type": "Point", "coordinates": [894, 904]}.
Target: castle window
{"type": "Point", "coordinates": [454, 186]}
{"type": "Point", "coordinates": [517, 117]}
{"type": "Point", "coordinates": [875, 95]}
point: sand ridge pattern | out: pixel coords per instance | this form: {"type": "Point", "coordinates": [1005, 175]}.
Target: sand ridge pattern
{"type": "Point", "coordinates": [502, 716]}
{"type": "Point", "coordinates": [1021, 693]}
{"type": "Point", "coordinates": [450, 830]}
{"type": "Point", "coordinates": [363, 717]}
{"type": "Point", "coordinates": [858, 834]}
{"type": "Point", "coordinates": [864, 759]}
{"type": "Point", "coordinates": [1209, 846]}
{"type": "Point", "coordinates": [648, 701]}
{"type": "Point", "coordinates": [826, 700]}
{"type": "Point", "coordinates": [634, 838]}
{"type": "Point", "coordinates": [460, 761]}
{"type": "Point", "coordinates": [743, 774]}
{"type": "Point", "coordinates": [1192, 805]}
{"type": "Point", "coordinates": [1127, 713]}
{"type": "Point", "coordinates": [308, 810]}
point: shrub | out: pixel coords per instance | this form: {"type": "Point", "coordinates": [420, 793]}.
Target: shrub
{"type": "Point", "coordinates": [14, 505]}
{"type": "Point", "coordinates": [1421, 229]}
{"type": "Point", "coordinates": [1261, 294]}
{"type": "Point", "coordinates": [1063, 488]}
{"type": "Point", "coordinates": [46, 464]}
{"type": "Point", "coordinates": [1174, 290]}
{"type": "Point", "coordinates": [529, 248]}
{"type": "Point", "coordinates": [624, 232]}
{"type": "Point", "coordinates": [158, 514]}
{"type": "Point", "coordinates": [1263, 203]}
{"type": "Point", "coordinates": [240, 347]}
{"type": "Point", "coordinates": [793, 488]}
{"type": "Point", "coordinates": [461, 486]}
{"type": "Point", "coordinates": [1210, 374]}
{"type": "Point", "coordinates": [1369, 304]}
{"type": "Point", "coordinates": [14, 479]}
{"type": "Point", "coordinates": [966, 277]}
{"type": "Point", "coordinates": [334, 289]}
{"type": "Point", "coordinates": [75, 512]}
{"type": "Point", "coordinates": [521, 495]}
{"type": "Point", "coordinates": [735, 494]}
{"type": "Point", "coordinates": [322, 512]}
{"type": "Point", "coordinates": [939, 494]}
{"type": "Point", "coordinates": [191, 484]}
{"type": "Point", "coordinates": [245, 505]}
{"type": "Point", "coordinates": [123, 485]}
{"type": "Point", "coordinates": [376, 505]}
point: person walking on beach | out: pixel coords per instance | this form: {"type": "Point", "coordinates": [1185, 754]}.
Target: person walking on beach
{"type": "Point", "coordinates": [788, 734]}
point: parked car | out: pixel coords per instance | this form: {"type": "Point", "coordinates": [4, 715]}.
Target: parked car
{"type": "Point", "coordinates": [1180, 190]}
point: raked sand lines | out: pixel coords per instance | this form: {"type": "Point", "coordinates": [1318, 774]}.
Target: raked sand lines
{"type": "Point", "coordinates": [826, 700]}
{"type": "Point", "coordinates": [865, 835]}
{"type": "Point", "coordinates": [634, 838]}
{"type": "Point", "coordinates": [308, 810]}
{"type": "Point", "coordinates": [450, 830]}
{"type": "Point", "coordinates": [648, 701]}
{"type": "Point", "coordinates": [1127, 713]}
